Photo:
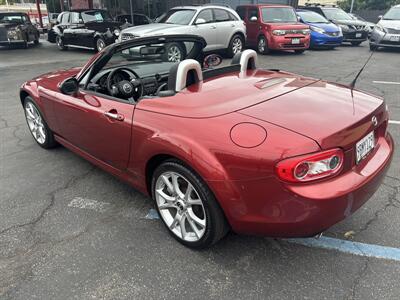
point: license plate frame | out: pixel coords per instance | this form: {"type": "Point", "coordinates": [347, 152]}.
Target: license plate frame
{"type": "Point", "coordinates": [365, 146]}
{"type": "Point", "coordinates": [295, 41]}
{"type": "Point", "coordinates": [395, 38]}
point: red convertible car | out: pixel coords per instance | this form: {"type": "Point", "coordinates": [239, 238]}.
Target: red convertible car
{"type": "Point", "coordinates": [238, 148]}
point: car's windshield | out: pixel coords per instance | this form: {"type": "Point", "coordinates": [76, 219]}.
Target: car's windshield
{"type": "Point", "coordinates": [95, 16]}
{"type": "Point", "coordinates": [312, 17]}
{"type": "Point", "coordinates": [336, 14]}
{"type": "Point", "coordinates": [12, 18]}
{"type": "Point", "coordinates": [278, 15]}
{"type": "Point", "coordinates": [393, 14]}
{"type": "Point", "coordinates": [178, 16]}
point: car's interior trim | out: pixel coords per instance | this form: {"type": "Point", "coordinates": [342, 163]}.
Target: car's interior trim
{"type": "Point", "coordinates": [209, 73]}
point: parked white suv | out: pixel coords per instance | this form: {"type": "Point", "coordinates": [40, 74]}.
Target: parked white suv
{"type": "Point", "coordinates": [220, 26]}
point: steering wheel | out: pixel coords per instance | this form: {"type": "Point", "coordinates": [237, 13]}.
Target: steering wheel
{"type": "Point", "coordinates": [132, 88]}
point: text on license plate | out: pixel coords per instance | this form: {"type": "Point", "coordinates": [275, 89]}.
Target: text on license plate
{"type": "Point", "coordinates": [395, 38]}
{"type": "Point", "coordinates": [365, 146]}
{"type": "Point", "coordinates": [358, 35]}
{"type": "Point", "coordinates": [295, 41]}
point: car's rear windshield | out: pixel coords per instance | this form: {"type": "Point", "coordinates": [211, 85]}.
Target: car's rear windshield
{"type": "Point", "coordinates": [278, 15]}
{"type": "Point", "coordinates": [312, 17]}
{"type": "Point", "coordinates": [178, 16]}
{"type": "Point", "coordinates": [95, 16]}
{"type": "Point", "coordinates": [12, 18]}
{"type": "Point", "coordinates": [393, 14]}
{"type": "Point", "coordinates": [336, 14]}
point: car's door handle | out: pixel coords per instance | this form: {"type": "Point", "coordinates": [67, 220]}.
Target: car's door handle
{"type": "Point", "coordinates": [114, 115]}
{"type": "Point", "coordinates": [213, 27]}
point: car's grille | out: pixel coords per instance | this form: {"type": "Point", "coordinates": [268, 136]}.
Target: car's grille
{"type": "Point", "coordinates": [3, 34]}
{"type": "Point", "coordinates": [358, 27]}
{"type": "Point", "coordinates": [294, 31]}
{"type": "Point", "coordinates": [393, 31]}
{"type": "Point", "coordinates": [333, 33]}
{"type": "Point", "coordinates": [128, 36]}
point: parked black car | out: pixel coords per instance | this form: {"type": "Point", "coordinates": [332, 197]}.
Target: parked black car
{"type": "Point", "coordinates": [138, 19]}
{"type": "Point", "coordinates": [16, 28]}
{"type": "Point", "coordinates": [89, 29]}
{"type": "Point", "coordinates": [354, 31]}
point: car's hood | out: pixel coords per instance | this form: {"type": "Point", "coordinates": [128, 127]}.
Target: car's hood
{"type": "Point", "coordinates": [288, 26]}
{"type": "Point", "coordinates": [323, 111]}
{"type": "Point", "coordinates": [328, 27]}
{"type": "Point", "coordinates": [349, 22]}
{"type": "Point", "coordinates": [49, 80]}
{"type": "Point", "coordinates": [395, 24]}
{"type": "Point", "coordinates": [150, 29]}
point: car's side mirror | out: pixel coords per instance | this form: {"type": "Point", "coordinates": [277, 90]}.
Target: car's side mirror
{"type": "Point", "coordinates": [298, 19]}
{"type": "Point", "coordinates": [253, 19]}
{"type": "Point", "coordinates": [200, 21]}
{"type": "Point", "coordinates": [69, 86]}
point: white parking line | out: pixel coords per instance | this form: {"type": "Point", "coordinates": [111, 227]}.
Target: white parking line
{"type": "Point", "coordinates": [387, 82]}
{"type": "Point", "coordinates": [83, 203]}
{"type": "Point", "coordinates": [349, 247]}
{"type": "Point", "coordinates": [394, 122]}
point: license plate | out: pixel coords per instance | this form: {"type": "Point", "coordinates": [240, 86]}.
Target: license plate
{"type": "Point", "coordinates": [365, 146]}
{"type": "Point", "coordinates": [295, 41]}
{"type": "Point", "coordinates": [395, 38]}
{"type": "Point", "coordinates": [358, 35]}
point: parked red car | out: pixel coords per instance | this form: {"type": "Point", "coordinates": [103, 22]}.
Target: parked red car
{"type": "Point", "coordinates": [256, 151]}
{"type": "Point", "coordinates": [274, 27]}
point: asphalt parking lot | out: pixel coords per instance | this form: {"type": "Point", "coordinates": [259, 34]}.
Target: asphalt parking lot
{"type": "Point", "coordinates": [71, 231]}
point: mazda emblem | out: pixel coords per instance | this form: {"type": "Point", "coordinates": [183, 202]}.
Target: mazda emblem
{"type": "Point", "coordinates": [374, 121]}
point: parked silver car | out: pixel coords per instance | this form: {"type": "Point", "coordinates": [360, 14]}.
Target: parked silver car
{"type": "Point", "coordinates": [387, 32]}
{"type": "Point", "coordinates": [220, 26]}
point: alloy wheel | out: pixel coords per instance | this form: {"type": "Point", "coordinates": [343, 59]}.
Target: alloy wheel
{"type": "Point", "coordinates": [35, 123]}
{"type": "Point", "coordinates": [180, 206]}
{"type": "Point", "coordinates": [174, 54]}
{"type": "Point", "coordinates": [100, 44]}
{"type": "Point", "coordinates": [237, 45]}
{"type": "Point", "coordinates": [261, 45]}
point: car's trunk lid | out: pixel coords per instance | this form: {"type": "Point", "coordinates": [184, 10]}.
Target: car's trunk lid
{"type": "Point", "coordinates": [325, 112]}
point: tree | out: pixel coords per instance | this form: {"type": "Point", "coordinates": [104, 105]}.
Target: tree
{"type": "Point", "coordinates": [368, 4]}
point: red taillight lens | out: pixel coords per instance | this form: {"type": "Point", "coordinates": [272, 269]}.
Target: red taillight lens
{"type": "Point", "coordinates": [310, 167]}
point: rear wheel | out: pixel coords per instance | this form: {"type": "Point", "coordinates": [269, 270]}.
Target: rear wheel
{"type": "Point", "coordinates": [262, 45]}
{"type": "Point", "coordinates": [37, 125]}
{"type": "Point", "coordinates": [356, 43]}
{"type": "Point", "coordinates": [36, 41]}
{"type": "Point", "coordinates": [186, 206]}
{"type": "Point", "coordinates": [235, 45]}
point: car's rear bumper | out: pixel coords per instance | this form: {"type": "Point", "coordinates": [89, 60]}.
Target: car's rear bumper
{"type": "Point", "coordinates": [12, 42]}
{"type": "Point", "coordinates": [304, 210]}
{"type": "Point", "coordinates": [286, 42]}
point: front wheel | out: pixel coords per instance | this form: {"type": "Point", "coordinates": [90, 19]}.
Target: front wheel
{"type": "Point", "coordinates": [60, 43]}
{"type": "Point", "coordinates": [174, 52]}
{"type": "Point", "coordinates": [372, 47]}
{"type": "Point", "coordinates": [235, 45]}
{"type": "Point", "coordinates": [186, 206]}
{"type": "Point", "coordinates": [262, 45]}
{"type": "Point", "coordinates": [37, 125]}
{"type": "Point", "coordinates": [100, 44]}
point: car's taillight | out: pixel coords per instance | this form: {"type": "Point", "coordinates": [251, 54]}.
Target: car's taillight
{"type": "Point", "coordinates": [310, 167]}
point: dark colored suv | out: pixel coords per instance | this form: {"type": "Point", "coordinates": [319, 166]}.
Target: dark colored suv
{"type": "Point", "coordinates": [354, 31]}
{"type": "Point", "coordinates": [90, 29]}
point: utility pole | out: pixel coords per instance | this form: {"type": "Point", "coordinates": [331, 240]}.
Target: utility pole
{"type": "Point", "coordinates": [352, 6]}
{"type": "Point", "coordinates": [40, 13]}
{"type": "Point", "coordinates": [132, 22]}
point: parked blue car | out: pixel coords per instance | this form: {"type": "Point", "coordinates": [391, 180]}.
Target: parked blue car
{"type": "Point", "coordinates": [324, 34]}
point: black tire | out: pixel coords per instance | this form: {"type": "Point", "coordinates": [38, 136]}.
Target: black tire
{"type": "Point", "coordinates": [60, 43]}
{"type": "Point", "coordinates": [355, 44]}
{"type": "Point", "coordinates": [36, 41]}
{"type": "Point", "coordinates": [236, 45]}
{"type": "Point", "coordinates": [299, 51]}
{"type": "Point", "coordinates": [25, 45]}
{"type": "Point", "coordinates": [262, 45]}
{"type": "Point", "coordinates": [49, 141]}
{"type": "Point", "coordinates": [99, 44]}
{"type": "Point", "coordinates": [216, 225]}
{"type": "Point", "coordinates": [171, 48]}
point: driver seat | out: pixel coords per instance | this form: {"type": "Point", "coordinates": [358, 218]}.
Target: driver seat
{"type": "Point", "coordinates": [184, 74]}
